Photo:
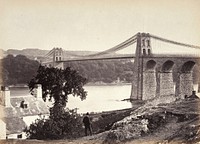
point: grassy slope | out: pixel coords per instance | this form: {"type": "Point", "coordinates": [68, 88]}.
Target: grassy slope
{"type": "Point", "coordinates": [180, 124]}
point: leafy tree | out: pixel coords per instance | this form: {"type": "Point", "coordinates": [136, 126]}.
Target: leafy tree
{"type": "Point", "coordinates": [59, 84]}
{"type": "Point", "coordinates": [65, 125]}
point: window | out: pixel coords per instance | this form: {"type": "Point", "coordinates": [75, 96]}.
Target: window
{"type": "Point", "coordinates": [56, 58]}
{"type": "Point", "coordinates": [144, 52]}
{"type": "Point", "coordinates": [56, 53]}
{"type": "Point", "coordinates": [19, 136]}
{"type": "Point", "coordinates": [3, 88]}
{"type": "Point", "coordinates": [148, 43]}
{"type": "Point", "coordinates": [149, 51]}
{"type": "Point", "coordinates": [23, 105]}
{"type": "Point", "coordinates": [143, 42]}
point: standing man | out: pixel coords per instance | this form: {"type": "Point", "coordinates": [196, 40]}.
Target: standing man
{"type": "Point", "coordinates": [87, 124]}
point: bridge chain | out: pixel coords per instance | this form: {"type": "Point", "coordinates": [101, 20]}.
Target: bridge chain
{"type": "Point", "coordinates": [120, 46]}
{"type": "Point", "coordinates": [174, 42]}
{"type": "Point", "coordinates": [123, 45]}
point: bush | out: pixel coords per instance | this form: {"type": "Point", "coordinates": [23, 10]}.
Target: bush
{"type": "Point", "coordinates": [66, 124]}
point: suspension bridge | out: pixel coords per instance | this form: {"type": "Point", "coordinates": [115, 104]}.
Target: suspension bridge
{"type": "Point", "coordinates": [154, 60]}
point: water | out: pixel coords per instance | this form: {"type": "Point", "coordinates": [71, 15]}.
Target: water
{"type": "Point", "coordinates": [99, 98]}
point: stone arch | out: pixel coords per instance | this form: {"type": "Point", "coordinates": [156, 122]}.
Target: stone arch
{"type": "Point", "coordinates": [165, 80]}
{"type": "Point", "coordinates": [167, 66]}
{"type": "Point", "coordinates": [149, 80]}
{"type": "Point", "coordinates": [184, 85]}
{"type": "Point", "coordinates": [150, 65]}
{"type": "Point", "coordinates": [187, 66]}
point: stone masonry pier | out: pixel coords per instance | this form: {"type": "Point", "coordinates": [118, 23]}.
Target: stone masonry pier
{"type": "Point", "coordinates": [153, 74]}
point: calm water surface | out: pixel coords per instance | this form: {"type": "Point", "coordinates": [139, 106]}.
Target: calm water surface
{"type": "Point", "coordinates": [99, 98]}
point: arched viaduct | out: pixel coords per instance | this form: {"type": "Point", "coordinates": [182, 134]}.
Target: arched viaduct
{"type": "Point", "coordinates": [153, 74]}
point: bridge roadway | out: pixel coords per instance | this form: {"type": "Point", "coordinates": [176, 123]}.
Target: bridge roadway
{"type": "Point", "coordinates": [126, 56]}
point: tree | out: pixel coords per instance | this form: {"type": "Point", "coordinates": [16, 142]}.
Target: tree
{"type": "Point", "coordinates": [59, 84]}
{"type": "Point", "coordinates": [66, 125]}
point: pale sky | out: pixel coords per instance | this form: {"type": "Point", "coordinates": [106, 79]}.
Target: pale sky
{"type": "Point", "coordinates": [94, 25]}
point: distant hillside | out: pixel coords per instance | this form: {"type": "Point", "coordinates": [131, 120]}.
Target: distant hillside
{"type": "Point", "coordinates": [21, 67]}
{"type": "Point", "coordinates": [33, 53]}
{"type": "Point", "coordinates": [17, 70]}
{"type": "Point", "coordinates": [2, 52]}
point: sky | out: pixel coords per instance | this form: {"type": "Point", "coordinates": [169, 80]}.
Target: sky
{"type": "Point", "coordinates": [94, 25]}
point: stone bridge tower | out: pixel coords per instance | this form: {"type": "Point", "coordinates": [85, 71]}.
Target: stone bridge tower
{"type": "Point", "coordinates": [58, 57]}
{"type": "Point", "coordinates": [153, 74]}
{"type": "Point", "coordinates": [144, 81]}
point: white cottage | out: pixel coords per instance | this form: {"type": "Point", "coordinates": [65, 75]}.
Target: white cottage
{"type": "Point", "coordinates": [20, 112]}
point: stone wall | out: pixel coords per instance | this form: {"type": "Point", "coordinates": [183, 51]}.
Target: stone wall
{"type": "Point", "coordinates": [134, 89]}
{"type": "Point", "coordinates": [166, 84]}
{"type": "Point", "coordinates": [149, 85]}
{"type": "Point", "coordinates": [59, 65]}
{"type": "Point", "coordinates": [184, 85]}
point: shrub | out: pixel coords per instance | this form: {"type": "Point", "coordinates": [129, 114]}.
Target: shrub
{"type": "Point", "coordinates": [64, 125]}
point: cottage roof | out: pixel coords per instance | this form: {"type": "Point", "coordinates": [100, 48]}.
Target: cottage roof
{"type": "Point", "coordinates": [34, 107]}
{"type": "Point", "coordinates": [13, 116]}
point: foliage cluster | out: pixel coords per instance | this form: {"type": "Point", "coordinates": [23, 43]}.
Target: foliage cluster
{"type": "Point", "coordinates": [18, 70]}
{"type": "Point", "coordinates": [104, 70]}
{"type": "Point", "coordinates": [64, 124]}
{"type": "Point", "coordinates": [59, 84]}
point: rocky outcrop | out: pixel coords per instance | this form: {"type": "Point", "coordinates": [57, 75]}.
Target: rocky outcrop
{"type": "Point", "coordinates": [153, 116]}
{"type": "Point", "coordinates": [126, 130]}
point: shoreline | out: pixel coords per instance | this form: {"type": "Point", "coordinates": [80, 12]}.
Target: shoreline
{"type": "Point", "coordinates": [88, 84]}
{"type": "Point", "coordinates": [107, 84]}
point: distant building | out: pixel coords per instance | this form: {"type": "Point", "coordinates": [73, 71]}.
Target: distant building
{"type": "Point", "coordinates": [19, 112]}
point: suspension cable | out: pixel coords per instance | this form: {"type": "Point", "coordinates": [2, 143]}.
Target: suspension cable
{"type": "Point", "coordinates": [49, 53]}
{"type": "Point", "coordinates": [174, 42]}
{"type": "Point", "coordinates": [115, 48]}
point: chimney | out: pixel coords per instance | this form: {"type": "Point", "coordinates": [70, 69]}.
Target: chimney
{"type": "Point", "coordinates": [5, 96]}
{"type": "Point", "coordinates": [39, 92]}
{"type": "Point", "coordinates": [3, 129]}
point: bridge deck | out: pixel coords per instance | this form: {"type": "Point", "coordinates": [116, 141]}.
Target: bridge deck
{"type": "Point", "coordinates": [128, 56]}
